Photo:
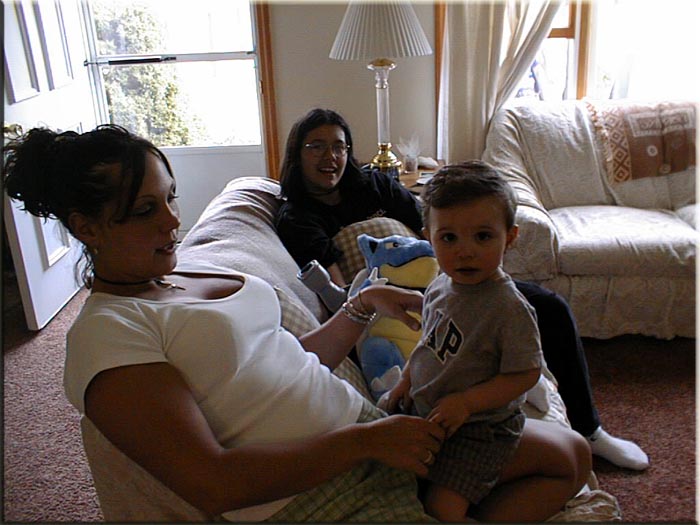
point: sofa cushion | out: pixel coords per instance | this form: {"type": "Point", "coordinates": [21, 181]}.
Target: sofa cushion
{"type": "Point", "coordinates": [617, 240]}
{"type": "Point", "coordinates": [688, 214]}
{"type": "Point", "coordinates": [236, 231]}
{"type": "Point", "coordinates": [669, 192]}
{"type": "Point", "coordinates": [644, 139]}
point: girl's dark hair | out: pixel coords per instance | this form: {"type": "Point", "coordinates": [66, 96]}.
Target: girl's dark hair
{"type": "Point", "coordinates": [291, 175]}
{"type": "Point", "coordinates": [56, 174]}
{"type": "Point", "coordinates": [465, 182]}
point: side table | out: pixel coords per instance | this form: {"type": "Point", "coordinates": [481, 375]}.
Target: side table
{"type": "Point", "coordinates": [410, 179]}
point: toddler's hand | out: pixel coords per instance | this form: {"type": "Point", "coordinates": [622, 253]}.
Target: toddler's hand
{"type": "Point", "coordinates": [398, 398]}
{"type": "Point", "coordinates": [450, 413]}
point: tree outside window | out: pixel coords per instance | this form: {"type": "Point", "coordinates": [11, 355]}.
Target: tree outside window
{"type": "Point", "coordinates": [177, 75]}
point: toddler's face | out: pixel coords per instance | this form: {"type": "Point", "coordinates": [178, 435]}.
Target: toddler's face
{"type": "Point", "coordinates": [469, 239]}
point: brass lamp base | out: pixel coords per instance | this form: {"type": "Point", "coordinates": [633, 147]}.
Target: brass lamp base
{"type": "Point", "coordinates": [385, 158]}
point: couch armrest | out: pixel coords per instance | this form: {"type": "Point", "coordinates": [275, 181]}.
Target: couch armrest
{"type": "Point", "coordinates": [534, 254]}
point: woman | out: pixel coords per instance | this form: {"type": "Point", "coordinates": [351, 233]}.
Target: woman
{"type": "Point", "coordinates": [325, 190]}
{"type": "Point", "coordinates": [189, 372]}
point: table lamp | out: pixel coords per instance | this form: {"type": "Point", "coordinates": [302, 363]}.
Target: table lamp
{"type": "Point", "coordinates": [379, 32]}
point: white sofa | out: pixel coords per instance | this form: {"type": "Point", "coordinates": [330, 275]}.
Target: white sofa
{"type": "Point", "coordinates": [607, 209]}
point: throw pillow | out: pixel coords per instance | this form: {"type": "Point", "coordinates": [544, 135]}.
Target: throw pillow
{"type": "Point", "coordinates": [644, 139]}
{"type": "Point", "coordinates": [346, 240]}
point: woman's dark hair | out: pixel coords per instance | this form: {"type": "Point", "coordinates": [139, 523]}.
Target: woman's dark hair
{"type": "Point", "coordinates": [465, 182]}
{"type": "Point", "coordinates": [56, 174]}
{"type": "Point", "coordinates": [291, 175]}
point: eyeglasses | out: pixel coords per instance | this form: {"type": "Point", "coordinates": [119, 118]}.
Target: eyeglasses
{"type": "Point", "coordinates": [318, 149]}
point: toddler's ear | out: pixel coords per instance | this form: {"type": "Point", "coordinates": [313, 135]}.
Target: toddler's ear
{"type": "Point", "coordinates": [511, 235]}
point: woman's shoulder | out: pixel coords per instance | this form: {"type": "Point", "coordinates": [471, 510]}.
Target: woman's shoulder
{"type": "Point", "coordinates": [292, 211]}
{"type": "Point", "coordinates": [104, 309]}
{"type": "Point", "coordinates": [386, 185]}
{"type": "Point", "coordinates": [367, 182]}
{"type": "Point", "coordinates": [309, 214]}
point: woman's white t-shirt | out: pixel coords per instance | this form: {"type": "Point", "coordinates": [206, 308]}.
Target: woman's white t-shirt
{"type": "Point", "coordinates": [251, 378]}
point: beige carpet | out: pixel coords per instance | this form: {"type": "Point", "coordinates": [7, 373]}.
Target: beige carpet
{"type": "Point", "coordinates": [46, 477]}
{"type": "Point", "coordinates": [645, 390]}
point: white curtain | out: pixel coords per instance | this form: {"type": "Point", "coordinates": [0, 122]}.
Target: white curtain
{"type": "Point", "coordinates": [488, 47]}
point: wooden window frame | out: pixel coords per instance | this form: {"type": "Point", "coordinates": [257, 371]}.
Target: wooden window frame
{"type": "Point", "coordinates": [579, 10]}
{"type": "Point", "coordinates": [570, 30]}
{"type": "Point", "coordinates": [267, 88]}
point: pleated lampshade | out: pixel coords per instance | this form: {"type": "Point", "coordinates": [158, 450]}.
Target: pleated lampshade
{"type": "Point", "coordinates": [379, 30]}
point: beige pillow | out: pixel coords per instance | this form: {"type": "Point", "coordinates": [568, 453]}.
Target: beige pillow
{"type": "Point", "coordinates": [295, 318]}
{"type": "Point", "coordinates": [346, 239]}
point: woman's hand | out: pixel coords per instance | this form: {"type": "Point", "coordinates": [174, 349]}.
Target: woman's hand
{"type": "Point", "coordinates": [333, 340]}
{"type": "Point", "coordinates": [403, 442]}
{"type": "Point", "coordinates": [391, 301]}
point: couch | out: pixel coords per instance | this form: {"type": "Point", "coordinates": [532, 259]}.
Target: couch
{"type": "Point", "coordinates": [607, 210]}
{"type": "Point", "coordinates": [236, 231]}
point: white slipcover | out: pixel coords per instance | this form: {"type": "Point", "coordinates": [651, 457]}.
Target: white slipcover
{"type": "Point", "coordinates": [622, 254]}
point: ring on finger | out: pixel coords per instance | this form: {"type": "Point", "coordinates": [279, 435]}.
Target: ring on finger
{"type": "Point", "coordinates": [430, 458]}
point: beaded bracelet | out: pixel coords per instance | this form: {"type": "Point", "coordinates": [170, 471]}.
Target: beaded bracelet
{"type": "Point", "coordinates": [352, 316]}
{"type": "Point", "coordinates": [356, 315]}
{"type": "Point", "coordinates": [359, 298]}
{"type": "Point", "coordinates": [357, 312]}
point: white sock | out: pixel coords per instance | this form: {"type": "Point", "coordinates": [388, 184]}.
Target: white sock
{"type": "Point", "coordinates": [618, 451]}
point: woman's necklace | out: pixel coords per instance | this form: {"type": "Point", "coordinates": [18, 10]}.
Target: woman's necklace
{"type": "Point", "coordinates": [160, 282]}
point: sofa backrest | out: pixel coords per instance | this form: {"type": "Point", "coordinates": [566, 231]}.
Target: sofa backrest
{"type": "Point", "coordinates": [585, 152]}
{"type": "Point", "coordinates": [551, 148]}
{"type": "Point", "coordinates": [126, 491]}
{"type": "Point", "coordinates": [236, 232]}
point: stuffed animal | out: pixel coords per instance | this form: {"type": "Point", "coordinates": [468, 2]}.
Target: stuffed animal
{"type": "Point", "coordinates": [400, 261]}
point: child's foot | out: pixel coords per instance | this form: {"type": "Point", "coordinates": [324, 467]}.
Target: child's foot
{"type": "Point", "coordinates": [618, 451]}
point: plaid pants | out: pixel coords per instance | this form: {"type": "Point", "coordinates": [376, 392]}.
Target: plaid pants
{"type": "Point", "coordinates": [371, 492]}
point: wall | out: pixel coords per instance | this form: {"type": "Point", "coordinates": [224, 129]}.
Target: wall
{"type": "Point", "coordinates": [200, 177]}
{"type": "Point", "coordinates": [302, 37]}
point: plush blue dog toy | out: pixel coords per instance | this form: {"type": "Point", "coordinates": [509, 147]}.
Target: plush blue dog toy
{"type": "Point", "coordinates": [400, 261]}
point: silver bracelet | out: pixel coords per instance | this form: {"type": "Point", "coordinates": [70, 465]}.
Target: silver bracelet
{"type": "Point", "coordinates": [359, 298]}
{"type": "Point", "coordinates": [355, 315]}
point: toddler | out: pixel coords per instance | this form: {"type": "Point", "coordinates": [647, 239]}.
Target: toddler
{"type": "Point", "coordinates": [478, 356]}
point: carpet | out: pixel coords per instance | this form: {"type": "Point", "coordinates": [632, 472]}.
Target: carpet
{"type": "Point", "coordinates": [644, 390]}
{"type": "Point", "coordinates": [46, 476]}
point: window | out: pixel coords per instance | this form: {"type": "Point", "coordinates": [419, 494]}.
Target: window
{"type": "Point", "coordinates": [178, 73]}
{"type": "Point", "coordinates": [643, 49]}
{"type": "Point", "coordinates": [635, 49]}
{"type": "Point", "coordinates": [559, 70]}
